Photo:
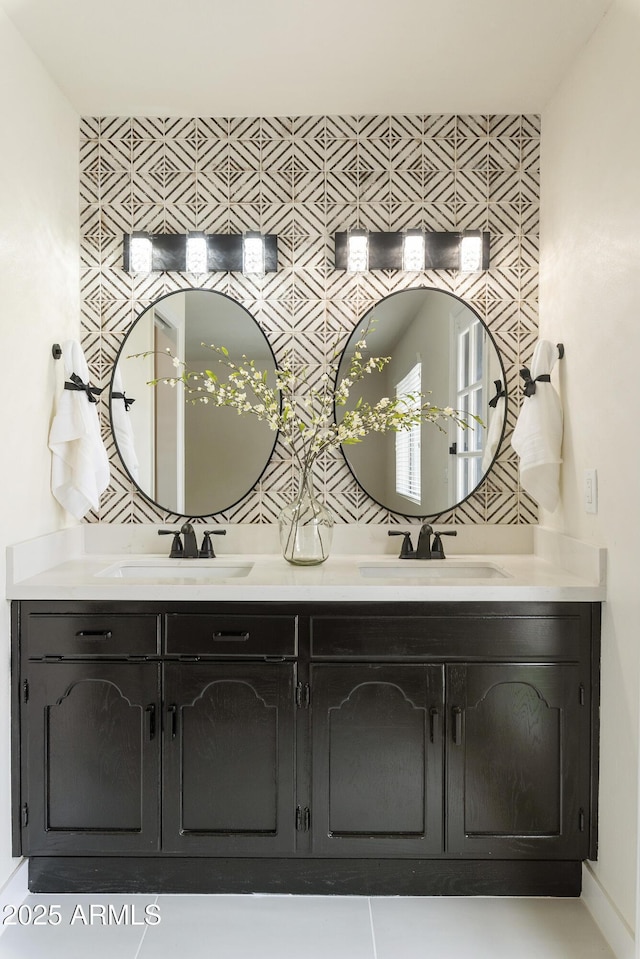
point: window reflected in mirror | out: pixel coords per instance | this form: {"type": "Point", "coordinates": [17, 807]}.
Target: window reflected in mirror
{"type": "Point", "coordinates": [408, 473]}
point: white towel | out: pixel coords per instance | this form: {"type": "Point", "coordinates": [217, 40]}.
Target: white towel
{"type": "Point", "coordinates": [494, 430]}
{"type": "Point", "coordinates": [537, 438]}
{"type": "Point", "coordinates": [122, 428]}
{"type": "Point", "coordinates": [80, 466]}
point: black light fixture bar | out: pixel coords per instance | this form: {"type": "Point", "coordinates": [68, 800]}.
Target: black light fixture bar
{"type": "Point", "coordinates": [224, 252]}
{"type": "Point", "coordinates": [442, 250]}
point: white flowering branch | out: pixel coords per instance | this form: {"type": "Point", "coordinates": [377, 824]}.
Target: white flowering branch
{"type": "Point", "coordinates": [304, 415]}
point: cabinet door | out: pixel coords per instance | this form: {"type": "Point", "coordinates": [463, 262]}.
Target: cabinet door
{"type": "Point", "coordinates": [228, 762]}
{"type": "Point", "coordinates": [518, 759]}
{"type": "Point", "coordinates": [91, 758]}
{"type": "Point", "coordinates": [377, 760]}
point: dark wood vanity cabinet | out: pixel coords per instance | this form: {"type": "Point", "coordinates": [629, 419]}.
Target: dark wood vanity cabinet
{"type": "Point", "coordinates": [492, 769]}
{"type": "Point", "coordinates": [147, 754]}
{"type": "Point", "coordinates": [91, 762]}
{"type": "Point", "coordinates": [377, 759]}
{"type": "Point", "coordinates": [518, 772]}
{"type": "Point", "coordinates": [425, 748]}
{"type": "Point", "coordinates": [228, 759]}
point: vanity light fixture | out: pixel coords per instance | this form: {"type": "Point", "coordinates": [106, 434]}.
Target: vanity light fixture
{"type": "Point", "coordinates": [471, 252]}
{"type": "Point", "coordinates": [196, 252]}
{"type": "Point", "coordinates": [140, 253]}
{"type": "Point", "coordinates": [413, 251]}
{"type": "Point", "coordinates": [253, 254]}
{"type": "Point", "coordinates": [357, 251]}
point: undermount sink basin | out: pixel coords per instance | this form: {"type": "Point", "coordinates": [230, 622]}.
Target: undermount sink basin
{"type": "Point", "coordinates": [424, 570]}
{"type": "Point", "coordinates": [177, 570]}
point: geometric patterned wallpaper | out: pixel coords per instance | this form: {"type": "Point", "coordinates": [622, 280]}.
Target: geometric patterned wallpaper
{"type": "Point", "coordinates": [304, 178]}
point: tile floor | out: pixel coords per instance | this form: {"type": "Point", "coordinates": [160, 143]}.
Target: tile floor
{"type": "Point", "coordinates": [316, 927]}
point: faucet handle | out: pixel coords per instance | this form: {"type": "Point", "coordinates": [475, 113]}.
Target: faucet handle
{"type": "Point", "coordinates": [177, 549]}
{"type": "Point", "coordinates": [406, 550]}
{"type": "Point", "coordinates": [206, 550]}
{"type": "Point", "coordinates": [437, 552]}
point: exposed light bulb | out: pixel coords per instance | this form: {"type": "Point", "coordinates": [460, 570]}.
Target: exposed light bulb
{"type": "Point", "coordinates": [357, 251]}
{"type": "Point", "coordinates": [140, 253]}
{"type": "Point", "coordinates": [196, 257]}
{"type": "Point", "coordinates": [413, 251]}
{"type": "Point", "coordinates": [253, 254]}
{"type": "Point", "coordinates": [471, 253]}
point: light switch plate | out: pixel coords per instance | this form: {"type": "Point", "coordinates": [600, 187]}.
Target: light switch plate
{"type": "Point", "coordinates": [591, 491]}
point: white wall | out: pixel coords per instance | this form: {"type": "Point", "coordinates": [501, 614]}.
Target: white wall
{"type": "Point", "coordinates": [39, 297]}
{"type": "Point", "coordinates": [590, 299]}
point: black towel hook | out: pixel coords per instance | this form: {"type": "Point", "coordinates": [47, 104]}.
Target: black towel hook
{"type": "Point", "coordinates": [56, 351]}
{"type": "Point", "coordinates": [560, 350]}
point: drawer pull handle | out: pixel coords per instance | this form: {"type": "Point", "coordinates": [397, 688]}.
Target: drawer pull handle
{"type": "Point", "coordinates": [234, 637]}
{"type": "Point", "coordinates": [94, 634]}
{"type": "Point", "coordinates": [151, 710]}
{"type": "Point", "coordinates": [457, 725]}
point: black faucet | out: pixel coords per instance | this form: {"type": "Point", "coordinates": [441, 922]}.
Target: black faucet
{"type": "Point", "coordinates": [190, 541]}
{"type": "Point", "coordinates": [424, 550]}
{"type": "Point", "coordinates": [190, 548]}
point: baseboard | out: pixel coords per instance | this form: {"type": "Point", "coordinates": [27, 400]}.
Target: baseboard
{"type": "Point", "coordinates": [15, 890]}
{"type": "Point", "coordinates": [606, 916]}
{"type": "Point", "coordinates": [179, 875]}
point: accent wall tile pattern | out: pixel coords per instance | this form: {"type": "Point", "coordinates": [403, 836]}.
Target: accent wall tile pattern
{"type": "Point", "coordinates": [305, 178]}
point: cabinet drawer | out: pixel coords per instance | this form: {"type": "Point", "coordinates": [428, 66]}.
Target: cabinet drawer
{"type": "Point", "coordinates": [194, 634]}
{"type": "Point", "coordinates": [80, 635]}
{"type": "Point", "coordinates": [491, 637]}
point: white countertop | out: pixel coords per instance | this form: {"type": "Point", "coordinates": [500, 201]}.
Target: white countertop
{"type": "Point", "coordinates": [530, 577]}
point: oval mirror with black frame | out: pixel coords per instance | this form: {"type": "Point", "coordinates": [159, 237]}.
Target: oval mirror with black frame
{"type": "Point", "coordinates": [190, 459]}
{"type": "Point", "coordinates": [440, 346]}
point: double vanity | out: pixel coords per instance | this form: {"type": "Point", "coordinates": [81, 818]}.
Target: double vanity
{"type": "Point", "coordinates": [368, 726]}
{"type": "Point", "coordinates": [371, 725]}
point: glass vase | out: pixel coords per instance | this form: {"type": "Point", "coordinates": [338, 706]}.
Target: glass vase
{"type": "Point", "coordinates": [306, 527]}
